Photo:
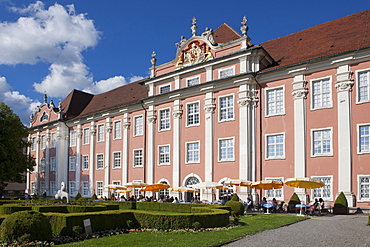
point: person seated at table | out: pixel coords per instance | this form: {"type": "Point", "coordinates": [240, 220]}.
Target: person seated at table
{"type": "Point", "coordinates": [313, 207]}
{"type": "Point", "coordinates": [248, 205]}
{"type": "Point", "coordinates": [320, 206]}
{"type": "Point", "coordinates": [262, 203]}
{"type": "Point", "coordinates": [274, 205]}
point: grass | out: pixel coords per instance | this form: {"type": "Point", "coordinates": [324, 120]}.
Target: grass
{"type": "Point", "coordinates": [250, 224]}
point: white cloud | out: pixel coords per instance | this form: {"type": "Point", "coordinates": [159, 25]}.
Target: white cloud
{"type": "Point", "coordinates": [19, 103]}
{"type": "Point", "coordinates": [109, 84]}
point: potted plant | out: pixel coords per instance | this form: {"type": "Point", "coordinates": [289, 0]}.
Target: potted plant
{"type": "Point", "coordinates": [341, 204]}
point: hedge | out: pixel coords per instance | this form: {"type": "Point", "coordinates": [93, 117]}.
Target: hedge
{"type": "Point", "coordinates": [12, 208]}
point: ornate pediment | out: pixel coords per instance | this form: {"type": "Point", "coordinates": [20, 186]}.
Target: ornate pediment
{"type": "Point", "coordinates": [195, 52]}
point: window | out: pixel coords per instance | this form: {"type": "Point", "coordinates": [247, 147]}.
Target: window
{"type": "Point", "coordinates": [117, 160]}
{"type": "Point", "coordinates": [100, 132]}
{"type": "Point", "coordinates": [275, 101]}
{"type": "Point", "coordinates": [188, 183]}
{"type": "Point", "coordinates": [322, 142]}
{"type": "Point", "coordinates": [226, 190]}
{"type": "Point", "coordinates": [100, 161]}
{"type": "Point", "coordinates": [226, 108]}
{"type": "Point", "coordinates": [364, 188]}
{"type": "Point", "coordinates": [85, 162]}
{"type": "Point", "coordinates": [43, 142]}
{"type": "Point", "coordinates": [223, 73]}
{"type": "Point", "coordinates": [363, 86]}
{"type": "Point", "coordinates": [138, 158]}
{"type": "Point", "coordinates": [72, 138]}
{"type": "Point", "coordinates": [99, 189]}
{"type": "Point", "coordinates": [164, 155]}
{"type": "Point", "coordinates": [321, 94]}
{"type": "Point", "coordinates": [116, 183]}
{"type": "Point", "coordinates": [85, 188]}
{"type": "Point", "coordinates": [72, 163]}
{"type": "Point", "coordinates": [164, 193]}
{"type": "Point", "coordinates": [72, 188]}
{"type": "Point", "coordinates": [192, 114]}
{"type": "Point", "coordinates": [323, 192]}
{"type": "Point", "coordinates": [42, 187]}
{"type": "Point", "coordinates": [226, 149]}
{"type": "Point", "coordinates": [53, 139]}
{"type": "Point", "coordinates": [165, 89]}
{"type": "Point", "coordinates": [86, 136]}
{"type": "Point", "coordinates": [53, 189]}
{"type": "Point", "coordinates": [33, 187]}
{"type": "Point", "coordinates": [42, 165]}
{"type": "Point", "coordinates": [192, 81]}
{"type": "Point", "coordinates": [117, 130]}
{"type": "Point", "coordinates": [34, 143]}
{"type": "Point", "coordinates": [138, 130]}
{"type": "Point", "coordinates": [275, 146]}
{"type": "Point", "coordinates": [164, 119]}
{"type": "Point", "coordinates": [364, 138]}
{"type": "Point", "coordinates": [53, 164]}
{"type": "Point", "coordinates": [275, 193]}
{"type": "Point", "coordinates": [192, 152]}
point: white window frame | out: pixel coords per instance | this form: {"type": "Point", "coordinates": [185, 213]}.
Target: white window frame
{"type": "Point", "coordinates": [313, 145]}
{"type": "Point", "coordinates": [275, 191]}
{"type": "Point", "coordinates": [195, 151]}
{"type": "Point", "coordinates": [33, 187]}
{"type": "Point", "coordinates": [164, 86]}
{"type": "Point", "coordinates": [136, 157]}
{"type": "Point", "coordinates": [85, 189]}
{"type": "Point", "coordinates": [53, 139]}
{"type": "Point", "coordinates": [72, 138]}
{"type": "Point", "coordinates": [330, 105]}
{"type": "Point", "coordinates": [189, 82]}
{"type": "Point", "coordinates": [359, 149]}
{"type": "Point", "coordinates": [99, 189]}
{"type": "Point", "coordinates": [53, 164]}
{"type": "Point", "coordinates": [330, 198]}
{"type": "Point", "coordinates": [116, 160]}
{"type": "Point", "coordinates": [34, 143]}
{"type": "Point", "coordinates": [362, 199]}
{"type": "Point", "coordinates": [227, 108]}
{"type": "Point", "coordinates": [85, 162]}
{"type": "Point", "coordinates": [86, 136]}
{"type": "Point", "coordinates": [100, 137]}
{"type": "Point", "coordinates": [72, 163]}
{"type": "Point", "coordinates": [98, 161]}
{"type": "Point", "coordinates": [220, 71]}
{"type": "Point", "coordinates": [164, 124]}
{"type": "Point", "coordinates": [117, 130]}
{"type": "Point", "coordinates": [138, 126]}
{"type": "Point", "coordinates": [42, 187]}
{"type": "Point", "coordinates": [275, 102]}
{"type": "Point", "coordinates": [267, 157]}
{"type": "Point", "coordinates": [195, 115]}
{"type": "Point", "coordinates": [53, 188]}
{"type": "Point", "coordinates": [43, 142]}
{"type": "Point", "coordinates": [166, 154]}
{"type": "Point", "coordinates": [72, 188]}
{"type": "Point", "coordinates": [116, 182]}
{"type": "Point", "coordinates": [358, 100]}
{"type": "Point", "coordinates": [43, 165]}
{"type": "Point", "coordinates": [227, 159]}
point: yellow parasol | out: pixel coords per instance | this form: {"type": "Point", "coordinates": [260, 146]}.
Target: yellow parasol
{"type": "Point", "coordinates": [267, 185]}
{"type": "Point", "coordinates": [155, 187]}
{"type": "Point", "coordinates": [306, 183]}
{"type": "Point", "coordinates": [184, 189]}
{"type": "Point", "coordinates": [124, 190]}
{"type": "Point", "coordinates": [238, 182]}
{"type": "Point", "coordinates": [208, 185]}
{"type": "Point", "coordinates": [136, 185]}
{"type": "Point", "coordinates": [114, 187]}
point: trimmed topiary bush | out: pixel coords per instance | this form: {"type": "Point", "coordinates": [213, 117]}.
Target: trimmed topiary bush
{"type": "Point", "coordinates": [235, 197]}
{"type": "Point", "coordinates": [78, 196]}
{"type": "Point", "coordinates": [237, 208]}
{"type": "Point", "coordinates": [94, 197]}
{"type": "Point", "coordinates": [25, 226]}
{"type": "Point", "coordinates": [341, 204]}
{"type": "Point", "coordinates": [294, 200]}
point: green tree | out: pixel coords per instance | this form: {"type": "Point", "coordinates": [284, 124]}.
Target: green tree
{"type": "Point", "coordinates": [13, 143]}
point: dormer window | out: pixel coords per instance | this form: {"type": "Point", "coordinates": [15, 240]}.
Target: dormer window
{"type": "Point", "coordinates": [165, 89]}
{"type": "Point", "coordinates": [192, 81]}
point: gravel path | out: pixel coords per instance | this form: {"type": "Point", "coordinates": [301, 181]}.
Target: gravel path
{"type": "Point", "coordinates": [327, 230]}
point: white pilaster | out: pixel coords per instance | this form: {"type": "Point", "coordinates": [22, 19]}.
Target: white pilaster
{"type": "Point", "coordinates": [92, 157]}
{"type": "Point", "coordinates": [107, 156]}
{"type": "Point", "coordinates": [150, 145]}
{"type": "Point", "coordinates": [299, 93]}
{"type": "Point", "coordinates": [209, 107]}
{"type": "Point", "coordinates": [177, 113]}
{"type": "Point", "coordinates": [209, 73]}
{"type": "Point", "coordinates": [62, 154]}
{"type": "Point", "coordinates": [78, 157]}
{"type": "Point", "coordinates": [37, 158]}
{"type": "Point", "coordinates": [344, 85]}
{"type": "Point", "coordinates": [47, 163]}
{"type": "Point", "coordinates": [125, 147]}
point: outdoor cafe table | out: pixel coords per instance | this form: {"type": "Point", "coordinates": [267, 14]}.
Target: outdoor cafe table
{"type": "Point", "coordinates": [268, 206]}
{"type": "Point", "coordinates": [301, 207]}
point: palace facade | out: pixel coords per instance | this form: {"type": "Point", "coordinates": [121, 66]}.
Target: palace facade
{"type": "Point", "coordinates": [223, 108]}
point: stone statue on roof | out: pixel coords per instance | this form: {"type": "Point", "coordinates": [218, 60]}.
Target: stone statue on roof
{"type": "Point", "coordinates": [181, 42]}
{"type": "Point", "coordinates": [208, 34]}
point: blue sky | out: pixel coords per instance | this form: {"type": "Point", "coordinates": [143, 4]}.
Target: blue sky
{"type": "Point", "coordinates": [95, 45]}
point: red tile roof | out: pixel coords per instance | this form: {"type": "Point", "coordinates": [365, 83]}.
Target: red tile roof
{"type": "Point", "coordinates": [345, 34]}
{"type": "Point", "coordinates": [225, 33]}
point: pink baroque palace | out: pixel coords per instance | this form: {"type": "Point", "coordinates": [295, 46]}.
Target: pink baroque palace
{"type": "Point", "coordinates": [224, 108]}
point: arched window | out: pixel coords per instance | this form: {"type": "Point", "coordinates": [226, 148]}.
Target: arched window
{"type": "Point", "coordinates": [189, 195]}
{"type": "Point", "coordinates": [164, 193]}
{"type": "Point", "coordinates": [227, 192]}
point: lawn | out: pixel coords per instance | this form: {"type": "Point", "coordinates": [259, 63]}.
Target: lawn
{"type": "Point", "coordinates": [251, 224]}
